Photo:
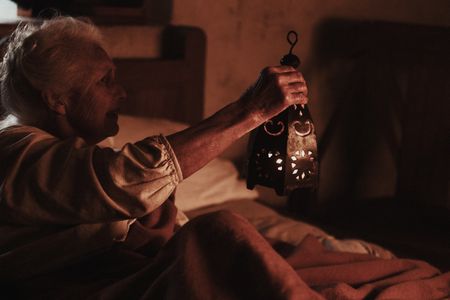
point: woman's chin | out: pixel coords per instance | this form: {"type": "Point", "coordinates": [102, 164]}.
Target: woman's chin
{"type": "Point", "coordinates": [112, 131]}
{"type": "Point", "coordinates": [100, 136]}
{"type": "Point", "coordinates": [111, 126]}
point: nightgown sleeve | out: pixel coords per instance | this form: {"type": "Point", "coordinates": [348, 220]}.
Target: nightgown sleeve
{"type": "Point", "coordinates": [45, 180]}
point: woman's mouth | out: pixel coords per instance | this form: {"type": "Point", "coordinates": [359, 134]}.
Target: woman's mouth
{"type": "Point", "coordinates": [114, 114]}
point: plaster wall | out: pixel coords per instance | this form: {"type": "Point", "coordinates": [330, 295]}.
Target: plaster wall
{"type": "Point", "coordinates": [244, 36]}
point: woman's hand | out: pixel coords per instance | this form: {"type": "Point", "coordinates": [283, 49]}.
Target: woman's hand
{"type": "Point", "coordinates": [275, 90]}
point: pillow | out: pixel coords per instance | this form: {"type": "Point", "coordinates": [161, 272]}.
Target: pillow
{"type": "Point", "coordinates": [215, 183]}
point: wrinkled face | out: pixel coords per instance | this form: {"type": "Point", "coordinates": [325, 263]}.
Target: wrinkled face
{"type": "Point", "coordinates": [93, 107]}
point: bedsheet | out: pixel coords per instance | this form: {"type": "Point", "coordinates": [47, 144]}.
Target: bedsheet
{"type": "Point", "coordinates": [275, 226]}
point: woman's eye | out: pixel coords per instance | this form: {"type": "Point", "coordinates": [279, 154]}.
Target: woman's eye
{"type": "Point", "coordinates": [107, 79]}
{"type": "Point", "coordinates": [104, 80]}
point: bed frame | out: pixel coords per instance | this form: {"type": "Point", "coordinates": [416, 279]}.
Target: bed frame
{"type": "Point", "coordinates": [171, 86]}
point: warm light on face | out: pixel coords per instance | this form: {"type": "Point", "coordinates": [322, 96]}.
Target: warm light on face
{"type": "Point", "coordinates": [93, 109]}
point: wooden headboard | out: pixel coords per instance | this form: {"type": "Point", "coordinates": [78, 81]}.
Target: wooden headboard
{"type": "Point", "coordinates": [386, 96]}
{"type": "Point", "coordinates": [170, 85]}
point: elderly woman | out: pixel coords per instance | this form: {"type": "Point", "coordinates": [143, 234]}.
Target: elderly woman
{"type": "Point", "coordinates": [77, 219]}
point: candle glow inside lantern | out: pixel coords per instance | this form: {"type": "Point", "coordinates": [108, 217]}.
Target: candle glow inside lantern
{"type": "Point", "coordinates": [283, 150]}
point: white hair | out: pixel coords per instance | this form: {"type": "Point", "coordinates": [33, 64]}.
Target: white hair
{"type": "Point", "coordinates": [43, 56]}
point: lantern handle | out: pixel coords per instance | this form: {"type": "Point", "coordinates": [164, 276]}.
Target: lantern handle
{"type": "Point", "coordinates": [292, 42]}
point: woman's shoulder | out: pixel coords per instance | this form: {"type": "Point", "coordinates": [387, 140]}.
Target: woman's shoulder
{"type": "Point", "coordinates": [19, 137]}
{"type": "Point", "coordinates": [21, 130]}
{"type": "Point", "coordinates": [22, 134]}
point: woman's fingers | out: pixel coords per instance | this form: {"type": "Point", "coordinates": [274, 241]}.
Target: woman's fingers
{"type": "Point", "coordinates": [298, 87]}
{"type": "Point", "coordinates": [289, 82]}
{"type": "Point", "coordinates": [276, 89]}
{"type": "Point", "coordinates": [285, 75]}
{"type": "Point", "coordinates": [299, 98]}
{"type": "Point", "coordinates": [277, 69]}
{"type": "Point", "coordinates": [294, 88]}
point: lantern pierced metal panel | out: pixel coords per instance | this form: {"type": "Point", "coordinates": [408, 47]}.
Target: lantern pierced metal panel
{"type": "Point", "coordinates": [283, 150]}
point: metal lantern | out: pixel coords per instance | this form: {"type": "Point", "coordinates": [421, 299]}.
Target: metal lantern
{"type": "Point", "coordinates": [283, 150]}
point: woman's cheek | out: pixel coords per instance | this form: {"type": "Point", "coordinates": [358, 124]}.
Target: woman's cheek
{"type": "Point", "coordinates": [84, 111]}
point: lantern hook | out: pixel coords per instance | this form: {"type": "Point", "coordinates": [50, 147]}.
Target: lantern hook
{"type": "Point", "coordinates": [292, 35]}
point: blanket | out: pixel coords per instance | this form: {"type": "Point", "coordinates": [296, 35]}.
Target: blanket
{"type": "Point", "coordinates": [221, 256]}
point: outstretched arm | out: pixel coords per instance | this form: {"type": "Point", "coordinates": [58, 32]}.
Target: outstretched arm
{"type": "Point", "coordinates": [275, 90]}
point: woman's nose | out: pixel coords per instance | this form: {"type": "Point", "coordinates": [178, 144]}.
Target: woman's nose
{"type": "Point", "coordinates": [120, 92]}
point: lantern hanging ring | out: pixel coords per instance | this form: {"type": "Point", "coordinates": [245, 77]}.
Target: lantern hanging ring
{"type": "Point", "coordinates": [294, 36]}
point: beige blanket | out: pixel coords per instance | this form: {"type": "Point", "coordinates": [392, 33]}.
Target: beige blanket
{"type": "Point", "coordinates": [221, 256]}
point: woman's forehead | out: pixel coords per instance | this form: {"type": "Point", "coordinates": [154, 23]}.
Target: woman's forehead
{"type": "Point", "coordinates": [96, 59]}
{"type": "Point", "coordinates": [99, 53]}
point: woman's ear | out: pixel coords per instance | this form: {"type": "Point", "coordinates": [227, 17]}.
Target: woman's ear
{"type": "Point", "coordinates": [55, 103]}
